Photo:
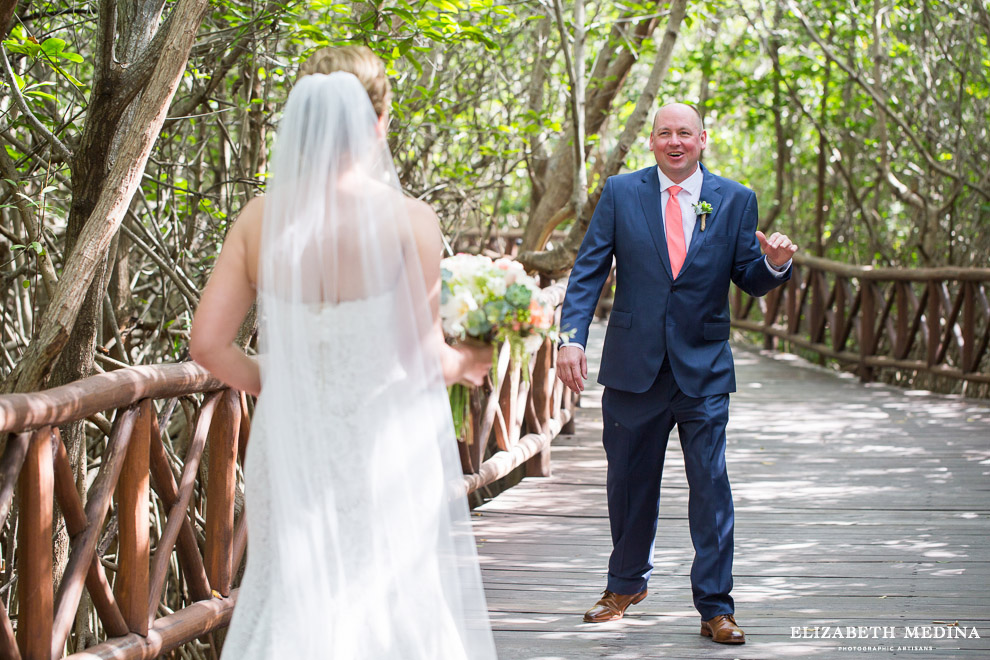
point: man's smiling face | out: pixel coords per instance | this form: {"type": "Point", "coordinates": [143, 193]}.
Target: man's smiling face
{"type": "Point", "coordinates": [677, 140]}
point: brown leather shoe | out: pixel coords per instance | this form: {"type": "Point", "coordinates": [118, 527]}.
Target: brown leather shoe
{"type": "Point", "coordinates": [612, 606]}
{"type": "Point", "coordinates": [723, 629]}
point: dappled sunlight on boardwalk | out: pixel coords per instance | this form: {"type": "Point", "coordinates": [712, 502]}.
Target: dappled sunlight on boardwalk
{"type": "Point", "coordinates": [855, 506]}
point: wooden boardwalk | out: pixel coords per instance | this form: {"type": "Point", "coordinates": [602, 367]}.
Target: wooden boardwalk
{"type": "Point", "coordinates": [855, 506]}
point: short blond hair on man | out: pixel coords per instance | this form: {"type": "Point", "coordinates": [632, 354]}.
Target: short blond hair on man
{"type": "Point", "coordinates": [359, 60]}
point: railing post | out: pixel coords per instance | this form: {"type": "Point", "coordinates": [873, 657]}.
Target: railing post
{"type": "Point", "coordinates": [839, 318]}
{"type": "Point", "coordinates": [472, 447]}
{"type": "Point", "coordinates": [901, 342]}
{"type": "Point", "coordinates": [794, 301]}
{"type": "Point", "coordinates": [569, 401]}
{"type": "Point", "coordinates": [867, 328]}
{"type": "Point", "coordinates": [817, 320]}
{"type": "Point", "coordinates": [220, 492]}
{"type": "Point", "coordinates": [507, 433]}
{"type": "Point", "coordinates": [542, 395]}
{"type": "Point", "coordinates": [933, 322]}
{"type": "Point", "coordinates": [770, 316]}
{"type": "Point", "coordinates": [36, 603]}
{"type": "Point", "coordinates": [969, 327]}
{"type": "Point", "coordinates": [75, 523]}
{"type": "Point", "coordinates": [134, 548]}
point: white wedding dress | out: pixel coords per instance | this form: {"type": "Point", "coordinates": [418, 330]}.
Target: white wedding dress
{"type": "Point", "coordinates": [359, 538]}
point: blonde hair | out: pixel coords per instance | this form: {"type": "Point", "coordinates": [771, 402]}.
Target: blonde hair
{"type": "Point", "coordinates": [359, 60]}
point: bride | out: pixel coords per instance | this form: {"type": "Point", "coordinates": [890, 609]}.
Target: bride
{"type": "Point", "coordinates": [360, 540]}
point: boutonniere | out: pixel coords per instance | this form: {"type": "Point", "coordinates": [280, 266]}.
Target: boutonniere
{"type": "Point", "coordinates": [703, 209]}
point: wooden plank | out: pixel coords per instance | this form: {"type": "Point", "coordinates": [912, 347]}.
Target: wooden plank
{"type": "Point", "coordinates": [852, 321]}
{"type": "Point", "coordinates": [901, 341]}
{"type": "Point", "coordinates": [220, 492]}
{"type": "Point", "coordinates": [839, 322]}
{"type": "Point", "coordinates": [133, 520]}
{"type": "Point", "coordinates": [190, 558]}
{"type": "Point", "coordinates": [177, 516]}
{"type": "Point", "coordinates": [981, 349]}
{"type": "Point", "coordinates": [773, 300]}
{"type": "Point", "coordinates": [504, 462]}
{"type": "Point", "coordinates": [508, 413]}
{"type": "Point", "coordinates": [240, 541]}
{"type": "Point", "coordinates": [544, 380]}
{"type": "Point", "coordinates": [870, 507]}
{"type": "Point", "coordinates": [167, 634]}
{"type": "Point", "coordinates": [867, 326]}
{"type": "Point", "coordinates": [888, 274]}
{"type": "Point", "coordinates": [968, 327]}
{"type": "Point", "coordinates": [34, 549]}
{"type": "Point", "coordinates": [538, 411]}
{"type": "Point", "coordinates": [794, 300]}
{"type": "Point", "coordinates": [816, 321]}
{"type": "Point", "coordinates": [8, 642]}
{"type": "Point", "coordinates": [484, 423]}
{"type": "Point", "coordinates": [10, 467]}
{"type": "Point", "coordinates": [884, 321]}
{"type": "Point", "coordinates": [933, 322]}
{"type": "Point", "coordinates": [75, 524]}
{"type": "Point", "coordinates": [244, 433]}
{"type": "Point", "coordinates": [114, 389]}
{"type": "Point", "coordinates": [951, 329]}
{"type": "Point", "coordinates": [471, 448]}
{"type": "Point", "coordinates": [84, 545]}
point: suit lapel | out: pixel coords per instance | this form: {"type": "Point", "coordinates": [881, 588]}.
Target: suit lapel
{"type": "Point", "coordinates": [649, 198]}
{"type": "Point", "coordinates": [710, 194]}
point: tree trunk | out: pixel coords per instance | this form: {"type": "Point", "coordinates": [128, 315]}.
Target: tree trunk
{"type": "Point", "coordinates": [606, 81]}
{"type": "Point", "coordinates": [561, 259]}
{"type": "Point", "coordinates": [84, 261]}
{"type": "Point", "coordinates": [820, 209]}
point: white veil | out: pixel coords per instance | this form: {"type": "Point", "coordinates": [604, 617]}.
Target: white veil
{"type": "Point", "coordinates": [360, 538]}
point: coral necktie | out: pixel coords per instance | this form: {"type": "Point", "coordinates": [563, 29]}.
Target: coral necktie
{"type": "Point", "coordinates": [675, 231]}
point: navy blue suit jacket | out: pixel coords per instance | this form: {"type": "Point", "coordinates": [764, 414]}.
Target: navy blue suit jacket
{"type": "Point", "coordinates": [653, 315]}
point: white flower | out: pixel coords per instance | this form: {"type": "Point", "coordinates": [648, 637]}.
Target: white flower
{"type": "Point", "coordinates": [455, 311]}
{"type": "Point", "coordinates": [498, 285]}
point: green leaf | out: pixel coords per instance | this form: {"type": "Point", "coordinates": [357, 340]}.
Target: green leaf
{"type": "Point", "coordinates": [54, 48]}
{"type": "Point", "coordinates": [44, 95]}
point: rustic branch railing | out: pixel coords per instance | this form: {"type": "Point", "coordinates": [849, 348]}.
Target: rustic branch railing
{"type": "Point", "coordinates": [931, 320]}
{"type": "Point", "coordinates": [199, 542]}
{"type": "Point", "coordinates": [517, 425]}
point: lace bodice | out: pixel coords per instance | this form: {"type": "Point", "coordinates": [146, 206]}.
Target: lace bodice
{"type": "Point", "coordinates": [353, 362]}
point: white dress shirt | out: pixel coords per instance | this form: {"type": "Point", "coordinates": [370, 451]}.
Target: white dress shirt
{"type": "Point", "coordinates": [689, 195]}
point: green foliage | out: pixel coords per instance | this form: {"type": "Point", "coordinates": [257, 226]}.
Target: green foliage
{"type": "Point", "coordinates": [480, 107]}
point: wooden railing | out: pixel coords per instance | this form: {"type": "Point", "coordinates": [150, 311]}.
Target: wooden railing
{"type": "Point", "coordinates": [929, 320]}
{"type": "Point", "coordinates": [139, 466]}
{"type": "Point", "coordinates": [516, 424]}
{"type": "Point", "coordinates": [157, 582]}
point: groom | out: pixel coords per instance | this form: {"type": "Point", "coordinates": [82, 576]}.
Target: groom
{"type": "Point", "coordinates": [679, 235]}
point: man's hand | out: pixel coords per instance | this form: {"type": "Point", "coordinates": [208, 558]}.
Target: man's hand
{"type": "Point", "coordinates": [572, 367]}
{"type": "Point", "coordinates": [778, 248]}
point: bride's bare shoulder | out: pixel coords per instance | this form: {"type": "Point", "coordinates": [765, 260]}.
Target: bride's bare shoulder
{"type": "Point", "coordinates": [249, 219]}
{"type": "Point", "coordinates": [421, 214]}
{"type": "Point", "coordinates": [247, 234]}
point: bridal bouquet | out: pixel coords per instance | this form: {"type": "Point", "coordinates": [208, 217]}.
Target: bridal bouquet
{"type": "Point", "coordinates": [492, 301]}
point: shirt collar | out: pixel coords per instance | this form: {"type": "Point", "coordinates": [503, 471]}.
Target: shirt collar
{"type": "Point", "coordinates": [692, 184]}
